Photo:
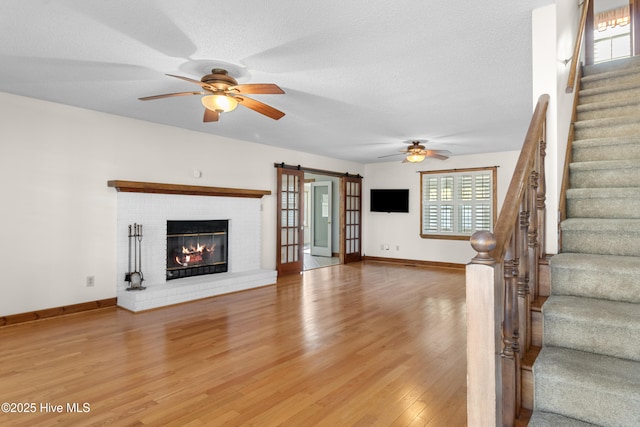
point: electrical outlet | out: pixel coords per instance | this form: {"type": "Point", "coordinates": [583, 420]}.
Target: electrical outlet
{"type": "Point", "coordinates": [90, 281]}
{"type": "Point", "coordinates": [386, 247]}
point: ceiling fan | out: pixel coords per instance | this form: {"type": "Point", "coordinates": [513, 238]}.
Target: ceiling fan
{"type": "Point", "coordinates": [222, 94]}
{"type": "Point", "coordinates": [416, 152]}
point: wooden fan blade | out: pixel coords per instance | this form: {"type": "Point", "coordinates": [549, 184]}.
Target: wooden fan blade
{"type": "Point", "coordinates": [391, 155]}
{"type": "Point", "coordinates": [187, 79]}
{"type": "Point", "coordinates": [210, 115]}
{"type": "Point", "coordinates": [260, 107]}
{"type": "Point", "coordinates": [257, 88]}
{"type": "Point", "coordinates": [433, 154]}
{"type": "Point", "coordinates": [169, 95]}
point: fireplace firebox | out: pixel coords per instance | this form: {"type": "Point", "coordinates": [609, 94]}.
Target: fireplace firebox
{"type": "Point", "coordinates": [196, 248]}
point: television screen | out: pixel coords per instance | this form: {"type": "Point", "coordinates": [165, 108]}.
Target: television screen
{"type": "Point", "coordinates": [389, 200]}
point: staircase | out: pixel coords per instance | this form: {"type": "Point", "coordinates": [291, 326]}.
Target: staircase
{"type": "Point", "coordinates": [588, 370]}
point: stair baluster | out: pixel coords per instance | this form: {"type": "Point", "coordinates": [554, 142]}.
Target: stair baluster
{"type": "Point", "coordinates": [524, 302]}
{"type": "Point", "coordinates": [511, 325]}
{"type": "Point", "coordinates": [533, 234]}
{"type": "Point", "coordinates": [541, 197]}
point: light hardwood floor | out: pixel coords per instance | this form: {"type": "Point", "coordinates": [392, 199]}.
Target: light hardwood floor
{"type": "Point", "coordinates": [363, 344]}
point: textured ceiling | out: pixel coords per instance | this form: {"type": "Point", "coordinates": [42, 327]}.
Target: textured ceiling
{"type": "Point", "coordinates": [360, 76]}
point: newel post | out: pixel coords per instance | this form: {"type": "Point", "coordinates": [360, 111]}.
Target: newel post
{"type": "Point", "coordinates": [484, 342]}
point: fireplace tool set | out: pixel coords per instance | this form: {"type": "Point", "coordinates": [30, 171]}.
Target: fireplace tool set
{"type": "Point", "coordinates": [134, 276]}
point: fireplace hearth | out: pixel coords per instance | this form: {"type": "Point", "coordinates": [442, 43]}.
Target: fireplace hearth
{"type": "Point", "coordinates": [196, 248]}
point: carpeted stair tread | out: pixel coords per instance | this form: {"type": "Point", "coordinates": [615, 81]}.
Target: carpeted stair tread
{"type": "Point", "coordinates": [546, 419]}
{"type": "Point", "coordinates": [606, 142]}
{"type": "Point", "coordinates": [607, 225]}
{"type": "Point", "coordinates": [605, 164]}
{"type": "Point", "coordinates": [618, 64]}
{"type": "Point", "coordinates": [610, 148]}
{"type": "Point", "coordinates": [620, 87]}
{"type": "Point", "coordinates": [610, 78]}
{"type": "Point", "coordinates": [598, 326]}
{"type": "Point", "coordinates": [593, 388]}
{"type": "Point", "coordinates": [600, 94]}
{"type": "Point", "coordinates": [608, 121]}
{"type": "Point", "coordinates": [609, 108]}
{"type": "Point", "coordinates": [622, 202]}
{"type": "Point", "coordinates": [608, 74]}
{"type": "Point", "coordinates": [605, 173]}
{"type": "Point", "coordinates": [603, 193]}
{"type": "Point", "coordinates": [607, 127]}
{"type": "Point", "coordinates": [611, 103]}
{"type": "Point", "coordinates": [596, 276]}
{"type": "Point", "coordinates": [601, 236]}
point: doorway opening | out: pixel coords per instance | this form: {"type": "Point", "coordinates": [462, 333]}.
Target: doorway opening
{"type": "Point", "coordinates": [346, 194]}
{"type": "Point", "coordinates": [321, 221]}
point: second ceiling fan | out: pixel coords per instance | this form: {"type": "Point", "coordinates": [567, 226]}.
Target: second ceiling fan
{"type": "Point", "coordinates": [417, 152]}
{"type": "Point", "coordinates": [222, 94]}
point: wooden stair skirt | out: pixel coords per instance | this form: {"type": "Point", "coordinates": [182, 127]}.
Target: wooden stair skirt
{"type": "Point", "coordinates": [544, 273]}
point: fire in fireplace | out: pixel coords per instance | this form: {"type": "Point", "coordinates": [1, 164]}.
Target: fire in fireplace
{"type": "Point", "coordinates": [195, 248]}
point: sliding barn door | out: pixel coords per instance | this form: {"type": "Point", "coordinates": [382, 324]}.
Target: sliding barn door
{"type": "Point", "coordinates": [351, 219]}
{"type": "Point", "coordinates": [290, 226]}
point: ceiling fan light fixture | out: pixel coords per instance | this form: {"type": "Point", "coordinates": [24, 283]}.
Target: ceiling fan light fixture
{"type": "Point", "coordinates": [415, 157]}
{"type": "Point", "coordinates": [219, 103]}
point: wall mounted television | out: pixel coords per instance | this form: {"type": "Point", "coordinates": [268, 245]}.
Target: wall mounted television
{"type": "Point", "coordinates": [389, 200]}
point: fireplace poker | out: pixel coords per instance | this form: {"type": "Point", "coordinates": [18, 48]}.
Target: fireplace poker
{"type": "Point", "coordinates": [139, 237]}
{"type": "Point", "coordinates": [130, 235]}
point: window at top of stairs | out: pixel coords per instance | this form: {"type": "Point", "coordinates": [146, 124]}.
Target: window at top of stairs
{"type": "Point", "coordinates": [612, 34]}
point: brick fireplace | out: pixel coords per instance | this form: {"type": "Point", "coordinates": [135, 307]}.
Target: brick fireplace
{"type": "Point", "coordinates": [157, 212]}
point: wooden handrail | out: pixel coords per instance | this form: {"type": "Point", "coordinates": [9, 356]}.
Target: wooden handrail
{"type": "Point", "coordinates": [571, 80]}
{"type": "Point", "coordinates": [562, 206]}
{"type": "Point", "coordinates": [501, 281]}
{"type": "Point", "coordinates": [511, 206]}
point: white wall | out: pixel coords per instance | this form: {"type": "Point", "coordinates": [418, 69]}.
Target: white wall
{"type": "Point", "coordinates": [554, 30]}
{"type": "Point", "coordinates": [59, 217]}
{"type": "Point", "coordinates": [401, 231]}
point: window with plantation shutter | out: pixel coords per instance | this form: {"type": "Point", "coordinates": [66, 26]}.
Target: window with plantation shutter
{"type": "Point", "coordinates": [456, 204]}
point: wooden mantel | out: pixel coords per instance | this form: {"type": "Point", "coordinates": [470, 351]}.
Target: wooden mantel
{"type": "Point", "coordinates": [192, 190]}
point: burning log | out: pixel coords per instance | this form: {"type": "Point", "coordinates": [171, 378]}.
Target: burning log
{"type": "Point", "coordinates": [194, 255]}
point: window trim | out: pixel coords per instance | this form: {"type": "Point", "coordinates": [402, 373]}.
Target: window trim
{"type": "Point", "coordinates": [454, 172]}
